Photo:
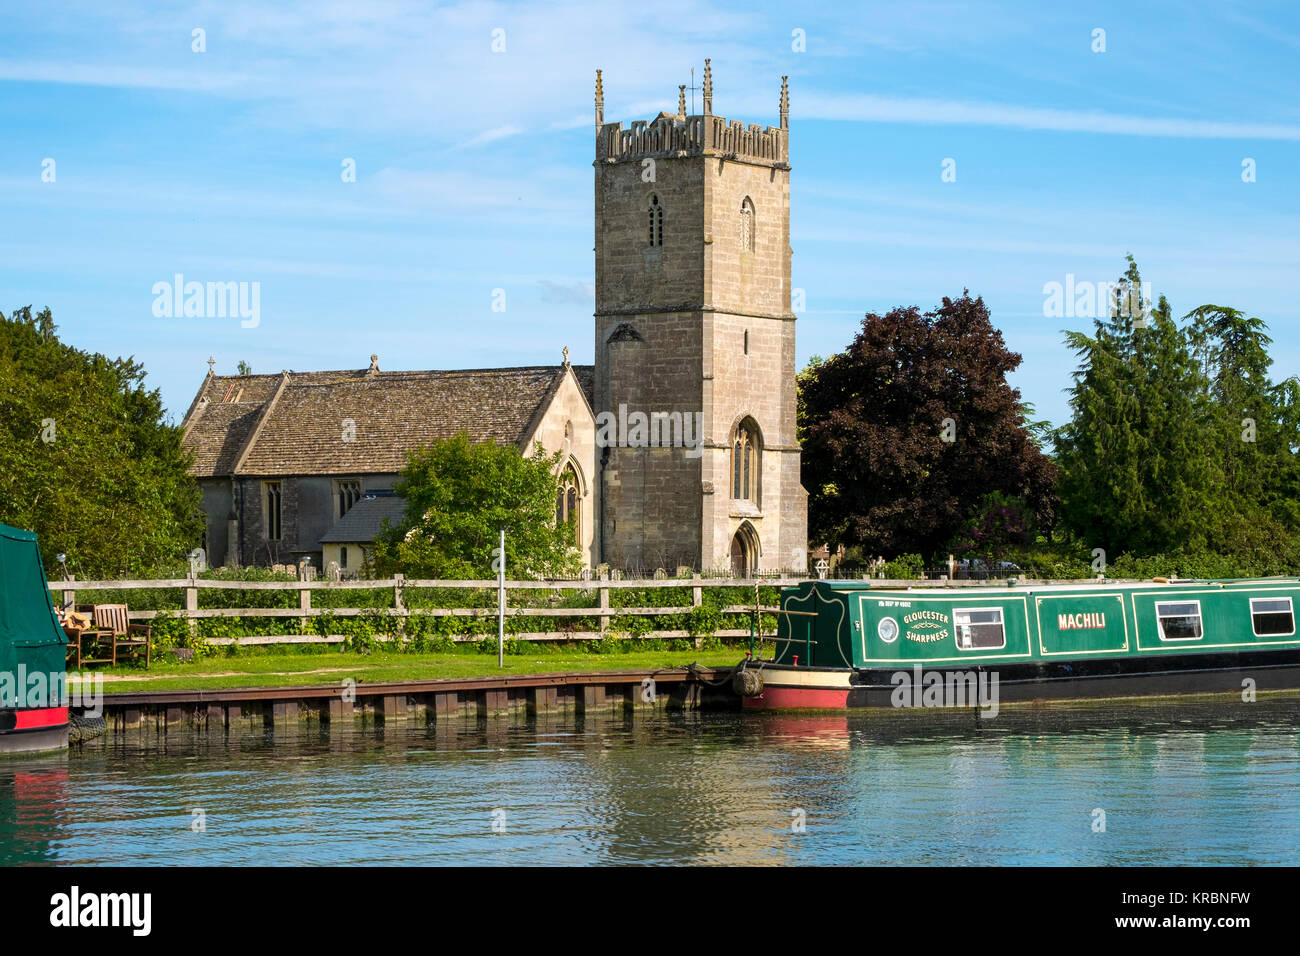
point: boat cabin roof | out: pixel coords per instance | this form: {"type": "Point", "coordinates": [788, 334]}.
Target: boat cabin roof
{"type": "Point", "coordinates": [1039, 587]}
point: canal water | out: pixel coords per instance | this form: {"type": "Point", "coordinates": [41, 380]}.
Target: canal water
{"type": "Point", "coordinates": [1154, 783]}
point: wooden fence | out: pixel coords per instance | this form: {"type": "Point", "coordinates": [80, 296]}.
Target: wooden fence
{"type": "Point", "coordinates": [399, 611]}
{"type": "Point", "coordinates": [601, 609]}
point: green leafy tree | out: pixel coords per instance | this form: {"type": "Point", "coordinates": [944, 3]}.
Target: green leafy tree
{"type": "Point", "coordinates": [459, 495]}
{"type": "Point", "coordinates": [89, 462]}
{"type": "Point", "coordinates": [801, 380]}
{"type": "Point", "coordinates": [906, 430]}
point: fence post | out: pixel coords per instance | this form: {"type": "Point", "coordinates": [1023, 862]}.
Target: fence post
{"type": "Point", "coordinates": [697, 600]}
{"type": "Point", "coordinates": [304, 604]}
{"type": "Point", "coordinates": [70, 597]}
{"type": "Point", "coordinates": [501, 602]}
{"type": "Point", "coordinates": [399, 607]}
{"type": "Point", "coordinates": [191, 605]}
{"type": "Point", "coordinates": [604, 603]}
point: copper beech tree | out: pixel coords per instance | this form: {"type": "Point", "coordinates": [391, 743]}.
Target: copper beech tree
{"type": "Point", "coordinates": [909, 429]}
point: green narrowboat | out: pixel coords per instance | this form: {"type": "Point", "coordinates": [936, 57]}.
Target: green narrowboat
{"type": "Point", "coordinates": [33, 669]}
{"type": "Point", "coordinates": [849, 644]}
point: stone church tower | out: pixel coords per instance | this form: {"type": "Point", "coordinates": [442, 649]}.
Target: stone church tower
{"type": "Point", "coordinates": [693, 324]}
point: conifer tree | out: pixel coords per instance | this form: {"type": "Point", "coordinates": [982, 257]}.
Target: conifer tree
{"type": "Point", "coordinates": [1250, 429]}
{"type": "Point", "coordinates": [1139, 465]}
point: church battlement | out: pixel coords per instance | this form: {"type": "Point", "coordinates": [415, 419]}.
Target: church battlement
{"type": "Point", "coordinates": [669, 135]}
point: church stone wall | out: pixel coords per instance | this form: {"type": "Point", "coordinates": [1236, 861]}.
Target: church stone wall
{"type": "Point", "coordinates": [740, 280]}
{"type": "Point", "coordinates": [647, 301]}
{"type": "Point", "coordinates": [652, 504]}
{"type": "Point", "coordinates": [315, 511]}
{"type": "Point", "coordinates": [307, 511]}
{"type": "Point", "coordinates": [567, 426]}
{"type": "Point", "coordinates": [757, 384]}
{"type": "Point", "coordinates": [214, 497]}
{"type": "Point", "coordinates": [630, 274]}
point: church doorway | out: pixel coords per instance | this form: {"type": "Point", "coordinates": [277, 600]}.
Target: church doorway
{"type": "Point", "coordinates": [744, 552]}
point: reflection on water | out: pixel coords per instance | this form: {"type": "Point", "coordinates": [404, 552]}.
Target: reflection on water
{"type": "Point", "coordinates": [1210, 783]}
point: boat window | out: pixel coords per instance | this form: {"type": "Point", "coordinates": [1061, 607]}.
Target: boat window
{"type": "Point", "coordinates": [1179, 621]}
{"type": "Point", "coordinates": [1272, 617]}
{"type": "Point", "coordinates": [979, 628]}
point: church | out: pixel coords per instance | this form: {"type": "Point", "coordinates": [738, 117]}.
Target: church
{"type": "Point", "coordinates": [678, 445]}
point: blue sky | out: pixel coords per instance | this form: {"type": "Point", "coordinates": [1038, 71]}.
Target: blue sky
{"type": "Point", "coordinates": [473, 167]}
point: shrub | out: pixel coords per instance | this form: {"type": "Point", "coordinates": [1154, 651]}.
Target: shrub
{"type": "Point", "coordinates": [905, 567]}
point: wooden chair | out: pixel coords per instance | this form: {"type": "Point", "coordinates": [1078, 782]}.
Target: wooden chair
{"type": "Point", "coordinates": [88, 645]}
{"type": "Point", "coordinates": [123, 635]}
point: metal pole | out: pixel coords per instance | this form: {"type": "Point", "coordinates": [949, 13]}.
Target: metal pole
{"type": "Point", "coordinates": [501, 604]}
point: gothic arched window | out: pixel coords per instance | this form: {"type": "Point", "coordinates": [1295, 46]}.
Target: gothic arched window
{"type": "Point", "coordinates": [747, 225]}
{"type": "Point", "coordinates": [568, 502]}
{"type": "Point", "coordinates": [744, 462]}
{"type": "Point", "coordinates": [656, 222]}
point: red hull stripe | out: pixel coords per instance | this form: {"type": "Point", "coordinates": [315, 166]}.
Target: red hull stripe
{"type": "Point", "coordinates": [41, 717]}
{"type": "Point", "coordinates": [799, 697]}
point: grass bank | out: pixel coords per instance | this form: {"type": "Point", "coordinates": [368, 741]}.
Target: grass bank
{"type": "Point", "coordinates": [292, 669]}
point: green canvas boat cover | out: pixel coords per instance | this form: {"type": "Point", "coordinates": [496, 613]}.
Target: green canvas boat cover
{"type": "Point", "coordinates": [29, 633]}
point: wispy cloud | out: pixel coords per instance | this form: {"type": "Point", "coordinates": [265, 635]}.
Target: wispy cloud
{"type": "Point", "coordinates": [463, 189]}
{"type": "Point", "coordinates": [568, 293]}
{"type": "Point", "coordinates": [894, 109]}
{"type": "Point", "coordinates": [490, 136]}
{"type": "Point", "coordinates": [134, 77]}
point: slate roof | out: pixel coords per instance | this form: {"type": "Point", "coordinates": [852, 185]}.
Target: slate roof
{"type": "Point", "coordinates": [362, 522]}
{"type": "Point", "coordinates": [294, 423]}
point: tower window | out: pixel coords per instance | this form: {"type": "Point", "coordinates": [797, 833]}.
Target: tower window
{"type": "Point", "coordinates": [656, 222]}
{"type": "Point", "coordinates": [747, 225]}
{"type": "Point", "coordinates": [746, 341]}
{"type": "Point", "coordinates": [744, 462]}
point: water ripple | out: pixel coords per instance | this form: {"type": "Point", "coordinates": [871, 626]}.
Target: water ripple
{"type": "Point", "coordinates": [1205, 783]}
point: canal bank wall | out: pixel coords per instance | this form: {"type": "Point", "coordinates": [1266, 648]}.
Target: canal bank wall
{"type": "Point", "coordinates": [426, 701]}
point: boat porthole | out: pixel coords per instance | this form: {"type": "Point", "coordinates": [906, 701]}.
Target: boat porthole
{"type": "Point", "coordinates": [887, 629]}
